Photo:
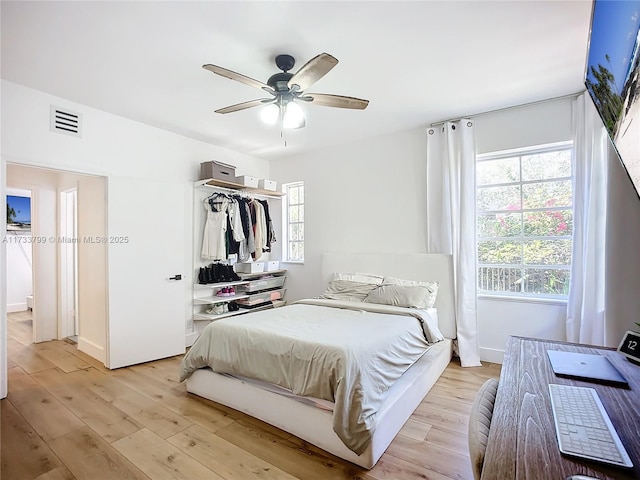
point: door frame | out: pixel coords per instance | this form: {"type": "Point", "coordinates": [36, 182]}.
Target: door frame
{"type": "Point", "coordinates": [68, 263]}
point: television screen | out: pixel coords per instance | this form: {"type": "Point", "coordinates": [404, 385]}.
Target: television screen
{"type": "Point", "coordinates": [18, 214]}
{"type": "Point", "coordinates": [612, 77]}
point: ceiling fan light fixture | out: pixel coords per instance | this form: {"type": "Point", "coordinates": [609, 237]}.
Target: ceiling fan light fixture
{"type": "Point", "coordinates": [270, 114]}
{"type": "Point", "coordinates": [293, 116]}
{"type": "Point", "coordinates": [286, 89]}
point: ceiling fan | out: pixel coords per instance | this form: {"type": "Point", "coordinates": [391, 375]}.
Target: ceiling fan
{"type": "Point", "coordinates": [287, 90]}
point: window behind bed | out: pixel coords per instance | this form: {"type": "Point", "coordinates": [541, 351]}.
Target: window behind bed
{"type": "Point", "coordinates": [524, 208]}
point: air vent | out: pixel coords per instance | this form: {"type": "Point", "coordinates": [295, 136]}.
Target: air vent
{"type": "Point", "coordinates": [65, 121]}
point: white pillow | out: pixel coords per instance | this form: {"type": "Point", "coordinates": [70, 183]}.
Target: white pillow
{"type": "Point", "coordinates": [359, 277]}
{"type": "Point", "coordinates": [348, 291]}
{"type": "Point", "coordinates": [412, 296]}
{"type": "Point", "coordinates": [431, 286]}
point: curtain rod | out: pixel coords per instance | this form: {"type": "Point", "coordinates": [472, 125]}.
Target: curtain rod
{"type": "Point", "coordinates": [572, 95]}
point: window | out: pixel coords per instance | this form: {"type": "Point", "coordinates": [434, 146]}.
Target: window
{"type": "Point", "coordinates": [294, 224]}
{"type": "Point", "coordinates": [524, 205]}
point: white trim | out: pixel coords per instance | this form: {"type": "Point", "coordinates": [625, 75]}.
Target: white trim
{"type": "Point", "coordinates": [492, 355]}
{"type": "Point", "coordinates": [190, 338]}
{"type": "Point", "coordinates": [285, 220]}
{"type": "Point", "coordinates": [3, 286]}
{"type": "Point", "coordinates": [92, 349]}
{"type": "Point", "coordinates": [67, 264]}
{"type": "Point", "coordinates": [544, 147]}
{"type": "Point", "coordinates": [523, 299]}
{"type": "Point", "coordinates": [17, 307]}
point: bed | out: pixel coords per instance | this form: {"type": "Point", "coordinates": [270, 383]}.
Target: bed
{"type": "Point", "coordinates": [331, 421]}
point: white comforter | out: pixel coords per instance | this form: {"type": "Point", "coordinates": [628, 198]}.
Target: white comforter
{"type": "Point", "coordinates": [349, 353]}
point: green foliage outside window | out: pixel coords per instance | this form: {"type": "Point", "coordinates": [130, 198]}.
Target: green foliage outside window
{"type": "Point", "coordinates": [525, 223]}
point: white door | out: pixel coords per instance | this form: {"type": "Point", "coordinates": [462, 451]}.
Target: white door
{"type": "Point", "coordinates": [147, 246]}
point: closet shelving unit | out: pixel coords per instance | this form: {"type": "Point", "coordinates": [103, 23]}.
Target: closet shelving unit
{"type": "Point", "coordinates": [204, 295]}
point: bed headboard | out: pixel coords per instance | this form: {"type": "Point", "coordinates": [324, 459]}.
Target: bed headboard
{"type": "Point", "coordinates": [420, 266]}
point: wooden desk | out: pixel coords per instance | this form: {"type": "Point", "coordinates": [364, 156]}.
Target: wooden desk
{"type": "Point", "coordinates": [522, 439]}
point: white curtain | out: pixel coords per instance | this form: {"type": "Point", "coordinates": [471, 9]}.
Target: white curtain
{"type": "Point", "coordinates": [586, 303]}
{"type": "Point", "coordinates": [451, 221]}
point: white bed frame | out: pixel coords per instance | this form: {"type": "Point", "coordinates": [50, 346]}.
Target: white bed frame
{"type": "Point", "coordinates": [314, 425]}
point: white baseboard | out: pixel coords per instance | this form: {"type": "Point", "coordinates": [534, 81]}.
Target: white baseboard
{"type": "Point", "coordinates": [91, 349]}
{"type": "Point", "coordinates": [190, 338]}
{"type": "Point", "coordinates": [16, 307]}
{"type": "Point", "coordinates": [491, 355]}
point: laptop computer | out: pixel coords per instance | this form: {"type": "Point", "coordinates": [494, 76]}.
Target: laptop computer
{"type": "Point", "coordinates": [584, 366]}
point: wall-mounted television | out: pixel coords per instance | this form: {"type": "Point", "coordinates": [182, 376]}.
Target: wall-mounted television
{"type": "Point", "coordinates": [612, 77]}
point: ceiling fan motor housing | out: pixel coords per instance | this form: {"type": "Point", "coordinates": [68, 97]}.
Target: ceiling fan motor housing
{"type": "Point", "coordinates": [285, 62]}
{"type": "Point", "coordinates": [279, 81]}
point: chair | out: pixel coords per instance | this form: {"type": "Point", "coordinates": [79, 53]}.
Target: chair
{"type": "Point", "coordinates": [479, 424]}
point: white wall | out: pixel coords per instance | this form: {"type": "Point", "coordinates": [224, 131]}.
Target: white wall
{"type": "Point", "coordinates": [370, 197]}
{"type": "Point", "coordinates": [113, 146]}
{"type": "Point", "coordinates": [19, 265]}
{"type": "Point", "coordinates": [622, 298]}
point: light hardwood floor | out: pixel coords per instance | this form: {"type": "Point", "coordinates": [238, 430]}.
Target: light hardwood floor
{"type": "Point", "coordinates": [66, 417]}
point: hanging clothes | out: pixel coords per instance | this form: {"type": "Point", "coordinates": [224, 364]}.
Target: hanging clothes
{"type": "Point", "coordinates": [215, 228]}
{"type": "Point", "coordinates": [235, 233]}
{"type": "Point", "coordinates": [271, 233]}
{"type": "Point", "coordinates": [247, 227]}
{"type": "Point", "coordinates": [259, 228]}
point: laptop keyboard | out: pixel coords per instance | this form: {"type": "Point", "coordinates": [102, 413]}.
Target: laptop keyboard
{"type": "Point", "coordinates": [583, 426]}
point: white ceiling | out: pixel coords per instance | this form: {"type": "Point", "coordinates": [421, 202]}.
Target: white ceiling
{"type": "Point", "coordinates": [417, 62]}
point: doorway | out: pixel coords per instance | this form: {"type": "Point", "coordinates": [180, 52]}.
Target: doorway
{"type": "Point", "coordinates": [19, 253]}
{"type": "Point", "coordinates": [68, 276]}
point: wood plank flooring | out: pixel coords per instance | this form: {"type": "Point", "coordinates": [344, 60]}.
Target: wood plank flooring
{"type": "Point", "coordinates": [68, 417]}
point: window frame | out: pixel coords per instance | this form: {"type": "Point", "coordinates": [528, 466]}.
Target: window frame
{"type": "Point", "coordinates": [287, 222]}
{"type": "Point", "coordinates": [522, 238]}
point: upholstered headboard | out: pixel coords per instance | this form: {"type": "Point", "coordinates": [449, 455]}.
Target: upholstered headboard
{"type": "Point", "coordinates": [424, 266]}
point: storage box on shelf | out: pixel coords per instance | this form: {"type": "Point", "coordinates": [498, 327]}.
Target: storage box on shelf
{"type": "Point", "coordinates": [217, 170]}
{"type": "Point", "coordinates": [253, 267]}
{"type": "Point", "coordinates": [247, 181]}
{"type": "Point", "coordinates": [266, 184]}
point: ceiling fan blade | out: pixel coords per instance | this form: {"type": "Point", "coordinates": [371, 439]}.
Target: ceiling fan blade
{"type": "Point", "coordinates": [242, 106]}
{"type": "Point", "coordinates": [237, 77]}
{"type": "Point", "coordinates": [327, 100]}
{"type": "Point", "coordinates": [312, 71]}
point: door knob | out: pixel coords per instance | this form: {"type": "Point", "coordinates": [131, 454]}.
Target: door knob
{"type": "Point", "coordinates": [176, 277]}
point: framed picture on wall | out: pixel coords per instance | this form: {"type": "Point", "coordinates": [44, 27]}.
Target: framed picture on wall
{"type": "Point", "coordinates": [18, 214]}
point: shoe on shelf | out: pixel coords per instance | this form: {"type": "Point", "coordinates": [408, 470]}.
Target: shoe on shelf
{"type": "Point", "coordinates": [215, 272]}
{"type": "Point", "coordinates": [231, 273]}
{"type": "Point", "coordinates": [223, 292]}
{"type": "Point", "coordinates": [232, 291]}
{"type": "Point", "coordinates": [210, 276]}
{"type": "Point", "coordinates": [202, 276]}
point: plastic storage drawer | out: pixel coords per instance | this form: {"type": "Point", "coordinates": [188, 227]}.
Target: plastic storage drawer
{"type": "Point", "coordinates": [262, 284]}
{"type": "Point", "coordinates": [260, 298]}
